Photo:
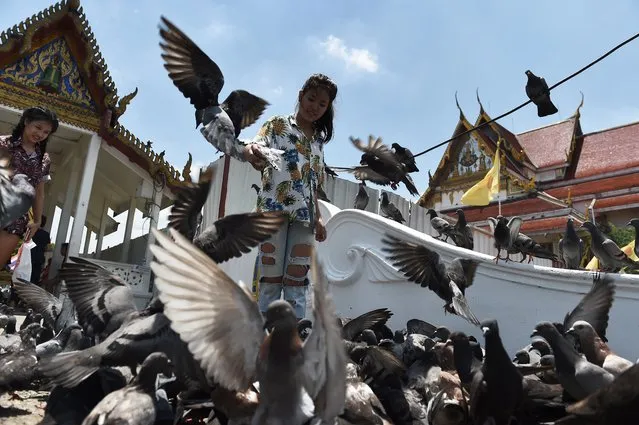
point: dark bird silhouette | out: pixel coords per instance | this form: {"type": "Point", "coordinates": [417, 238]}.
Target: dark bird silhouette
{"type": "Point", "coordinates": [16, 193]}
{"type": "Point", "coordinates": [462, 233]}
{"type": "Point", "coordinates": [258, 190]}
{"type": "Point", "coordinates": [329, 171]}
{"type": "Point", "coordinates": [610, 256]}
{"type": "Point", "coordinates": [352, 328]}
{"type": "Point", "coordinates": [422, 265]}
{"type": "Point", "coordinates": [538, 92]}
{"type": "Point", "coordinates": [390, 210]}
{"type": "Point", "coordinates": [405, 156]}
{"type": "Point", "coordinates": [571, 247]}
{"type": "Point", "coordinates": [527, 247]}
{"type": "Point", "coordinates": [361, 199]}
{"type": "Point", "coordinates": [505, 233]}
{"type": "Point", "coordinates": [228, 237]}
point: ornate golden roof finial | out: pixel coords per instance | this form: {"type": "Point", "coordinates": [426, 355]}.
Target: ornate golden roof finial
{"type": "Point", "coordinates": [186, 172]}
{"type": "Point", "coordinates": [577, 113]}
{"type": "Point", "coordinates": [569, 200]}
{"type": "Point", "coordinates": [481, 107]}
{"type": "Point", "coordinates": [461, 113]}
{"type": "Point", "coordinates": [124, 101]}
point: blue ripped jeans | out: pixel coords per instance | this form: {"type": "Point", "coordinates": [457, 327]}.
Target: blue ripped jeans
{"type": "Point", "coordinates": [284, 260]}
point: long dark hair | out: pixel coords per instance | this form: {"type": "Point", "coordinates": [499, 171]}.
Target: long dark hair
{"type": "Point", "coordinates": [37, 113]}
{"type": "Point", "coordinates": [325, 123]}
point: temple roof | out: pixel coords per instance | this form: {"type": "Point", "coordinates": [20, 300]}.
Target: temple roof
{"type": "Point", "coordinates": [549, 146]}
{"type": "Point", "coordinates": [609, 150]}
{"type": "Point", "coordinates": [58, 41]}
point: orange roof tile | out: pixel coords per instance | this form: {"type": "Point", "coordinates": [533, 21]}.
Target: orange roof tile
{"type": "Point", "coordinates": [609, 150]}
{"type": "Point", "coordinates": [597, 186]}
{"type": "Point", "coordinates": [616, 201]}
{"type": "Point", "coordinates": [547, 146]}
{"type": "Point", "coordinates": [546, 224]}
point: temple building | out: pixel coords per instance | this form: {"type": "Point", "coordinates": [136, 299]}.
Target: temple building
{"type": "Point", "coordinates": [53, 59]}
{"type": "Point", "coordinates": [548, 175]}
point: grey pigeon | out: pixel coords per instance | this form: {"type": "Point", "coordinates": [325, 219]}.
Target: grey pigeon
{"type": "Point", "coordinates": [228, 237]}
{"type": "Point", "coordinates": [103, 301]}
{"type": "Point", "coordinates": [441, 226]}
{"type": "Point", "coordinates": [57, 314]}
{"type": "Point", "coordinates": [362, 405]}
{"type": "Point", "coordinates": [59, 342]}
{"type": "Point", "coordinates": [462, 233]}
{"type": "Point", "coordinates": [16, 193]}
{"type": "Point", "coordinates": [594, 307]}
{"type": "Point", "coordinates": [578, 376]}
{"type": "Point", "coordinates": [610, 256]}
{"type": "Point", "coordinates": [361, 199]}
{"type": "Point", "coordinates": [405, 156]}
{"type": "Point", "coordinates": [505, 233]}
{"type": "Point", "coordinates": [527, 247]}
{"type": "Point", "coordinates": [390, 210]}
{"type": "Point", "coordinates": [224, 329]}
{"type": "Point", "coordinates": [635, 223]}
{"type": "Point", "coordinates": [200, 80]}
{"type": "Point", "coordinates": [424, 266]}
{"type": "Point", "coordinates": [571, 247]}
{"type": "Point", "coordinates": [365, 321]}
{"type": "Point", "coordinates": [537, 90]}
{"type": "Point", "coordinates": [135, 403]}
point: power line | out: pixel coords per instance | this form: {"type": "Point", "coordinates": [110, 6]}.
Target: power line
{"type": "Point", "coordinates": [530, 101]}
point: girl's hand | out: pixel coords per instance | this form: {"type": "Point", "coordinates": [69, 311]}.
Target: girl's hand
{"type": "Point", "coordinates": [320, 230]}
{"type": "Point", "coordinates": [252, 154]}
{"type": "Point", "coordinates": [32, 228]}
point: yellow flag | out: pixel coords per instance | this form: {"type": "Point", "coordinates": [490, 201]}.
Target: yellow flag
{"type": "Point", "coordinates": [483, 192]}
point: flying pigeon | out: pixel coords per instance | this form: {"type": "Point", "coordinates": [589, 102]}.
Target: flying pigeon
{"type": "Point", "coordinates": [390, 210]}
{"type": "Point", "coordinates": [16, 193]}
{"type": "Point", "coordinates": [537, 91]}
{"type": "Point", "coordinates": [571, 247]}
{"type": "Point", "coordinates": [200, 80]}
{"type": "Point", "coordinates": [424, 266]}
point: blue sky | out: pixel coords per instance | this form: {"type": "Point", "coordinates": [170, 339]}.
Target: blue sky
{"type": "Point", "coordinates": [397, 64]}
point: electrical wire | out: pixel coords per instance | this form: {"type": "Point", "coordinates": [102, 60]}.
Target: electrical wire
{"type": "Point", "coordinates": [574, 74]}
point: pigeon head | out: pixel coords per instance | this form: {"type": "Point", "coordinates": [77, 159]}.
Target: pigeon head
{"type": "Point", "coordinates": [369, 337]}
{"type": "Point", "coordinates": [489, 327]}
{"type": "Point", "coordinates": [634, 223]}
{"type": "Point", "coordinates": [546, 330]}
{"type": "Point", "coordinates": [522, 356]}
{"type": "Point", "coordinates": [443, 333]}
{"type": "Point", "coordinates": [529, 73]}
{"type": "Point", "coordinates": [37, 317]}
{"type": "Point", "coordinates": [159, 363]}
{"type": "Point", "coordinates": [10, 327]}
{"type": "Point", "coordinates": [540, 344]}
{"type": "Point", "coordinates": [432, 213]}
{"type": "Point", "coordinates": [395, 146]}
{"type": "Point", "coordinates": [399, 336]}
{"type": "Point", "coordinates": [589, 226]}
{"type": "Point", "coordinates": [279, 312]}
{"type": "Point", "coordinates": [581, 329]}
{"type": "Point", "coordinates": [31, 332]}
{"type": "Point", "coordinates": [384, 197]}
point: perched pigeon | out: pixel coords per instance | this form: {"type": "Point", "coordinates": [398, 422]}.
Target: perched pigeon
{"type": "Point", "coordinates": [610, 256]}
{"type": "Point", "coordinates": [440, 225]}
{"type": "Point", "coordinates": [200, 80]}
{"type": "Point", "coordinates": [16, 193]}
{"type": "Point", "coordinates": [361, 199]}
{"type": "Point", "coordinates": [571, 247]}
{"type": "Point", "coordinates": [537, 91]}
{"type": "Point", "coordinates": [405, 156]}
{"type": "Point", "coordinates": [461, 233]}
{"type": "Point", "coordinates": [390, 210]}
{"type": "Point", "coordinates": [229, 236]}
{"type": "Point", "coordinates": [505, 233]}
{"type": "Point", "coordinates": [527, 247]}
{"type": "Point", "coordinates": [424, 266]}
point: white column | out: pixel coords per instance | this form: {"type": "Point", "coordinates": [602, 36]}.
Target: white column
{"type": "Point", "coordinates": [63, 225]}
{"type": "Point", "coordinates": [84, 194]}
{"type": "Point", "coordinates": [126, 243]}
{"type": "Point", "coordinates": [103, 222]}
{"type": "Point", "coordinates": [87, 241]}
{"type": "Point", "coordinates": [155, 214]}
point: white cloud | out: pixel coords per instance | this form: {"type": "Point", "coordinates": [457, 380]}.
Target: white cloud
{"type": "Point", "coordinates": [277, 91]}
{"type": "Point", "coordinates": [361, 59]}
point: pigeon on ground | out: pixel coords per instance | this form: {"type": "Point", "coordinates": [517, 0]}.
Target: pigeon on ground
{"type": "Point", "coordinates": [228, 237]}
{"type": "Point", "coordinates": [505, 233]}
{"type": "Point", "coordinates": [538, 92]}
{"type": "Point", "coordinates": [610, 256]}
{"type": "Point", "coordinates": [635, 223]}
{"type": "Point", "coordinates": [424, 266]}
{"type": "Point", "coordinates": [571, 247]}
{"type": "Point", "coordinates": [597, 351]}
{"type": "Point", "coordinates": [405, 156]}
{"type": "Point", "coordinates": [440, 225]}
{"type": "Point", "coordinates": [200, 80]}
{"type": "Point", "coordinates": [462, 233]}
{"type": "Point", "coordinates": [224, 329]}
{"type": "Point", "coordinates": [135, 403]}
{"type": "Point", "coordinates": [361, 199]}
{"type": "Point", "coordinates": [390, 210]}
{"type": "Point", "coordinates": [59, 342]}
{"type": "Point", "coordinates": [16, 193]}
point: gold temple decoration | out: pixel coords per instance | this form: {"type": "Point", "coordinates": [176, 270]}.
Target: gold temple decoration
{"type": "Point", "coordinates": [52, 76]}
{"type": "Point", "coordinates": [569, 199]}
{"type": "Point", "coordinates": [123, 102]}
{"type": "Point", "coordinates": [186, 172]}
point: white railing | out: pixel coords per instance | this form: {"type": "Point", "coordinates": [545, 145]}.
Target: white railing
{"type": "Point", "coordinates": [138, 277]}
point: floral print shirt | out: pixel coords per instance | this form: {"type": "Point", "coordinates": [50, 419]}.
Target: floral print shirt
{"type": "Point", "coordinates": [293, 188]}
{"type": "Point", "coordinates": [33, 165]}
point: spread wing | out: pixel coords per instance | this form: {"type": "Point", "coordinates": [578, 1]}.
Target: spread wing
{"type": "Point", "coordinates": [243, 108]}
{"type": "Point", "coordinates": [324, 354]}
{"type": "Point", "coordinates": [595, 306]}
{"type": "Point", "coordinates": [492, 222]}
{"type": "Point", "coordinates": [460, 305]}
{"type": "Point", "coordinates": [239, 233]}
{"type": "Point", "coordinates": [462, 272]}
{"type": "Point", "coordinates": [102, 300]}
{"type": "Point", "coordinates": [514, 224]}
{"type": "Point", "coordinates": [215, 316]}
{"type": "Point", "coordinates": [40, 300]}
{"type": "Point", "coordinates": [363, 172]}
{"type": "Point", "coordinates": [184, 212]}
{"type": "Point", "coordinates": [192, 71]}
{"type": "Point", "coordinates": [354, 327]}
{"type": "Point", "coordinates": [377, 148]}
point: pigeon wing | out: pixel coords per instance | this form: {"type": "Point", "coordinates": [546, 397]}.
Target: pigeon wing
{"type": "Point", "coordinates": [377, 148]}
{"type": "Point", "coordinates": [239, 233]}
{"type": "Point", "coordinates": [102, 299]}
{"type": "Point", "coordinates": [324, 354]}
{"type": "Point", "coordinates": [188, 204]}
{"type": "Point", "coordinates": [190, 69]}
{"type": "Point", "coordinates": [460, 305]}
{"type": "Point", "coordinates": [614, 251]}
{"type": "Point", "coordinates": [215, 316]}
{"type": "Point", "coordinates": [354, 327]}
{"type": "Point", "coordinates": [40, 300]}
{"type": "Point", "coordinates": [514, 224]}
{"type": "Point", "coordinates": [462, 272]}
{"type": "Point", "coordinates": [492, 222]}
{"type": "Point", "coordinates": [243, 108]}
{"type": "Point", "coordinates": [366, 173]}
{"type": "Point", "coordinates": [594, 307]}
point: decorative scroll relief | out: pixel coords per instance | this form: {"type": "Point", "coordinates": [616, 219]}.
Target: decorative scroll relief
{"type": "Point", "coordinates": [136, 276]}
{"type": "Point", "coordinates": [361, 259]}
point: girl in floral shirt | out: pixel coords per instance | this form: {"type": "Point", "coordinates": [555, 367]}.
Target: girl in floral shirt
{"type": "Point", "coordinates": [27, 147]}
{"type": "Point", "coordinates": [285, 258]}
